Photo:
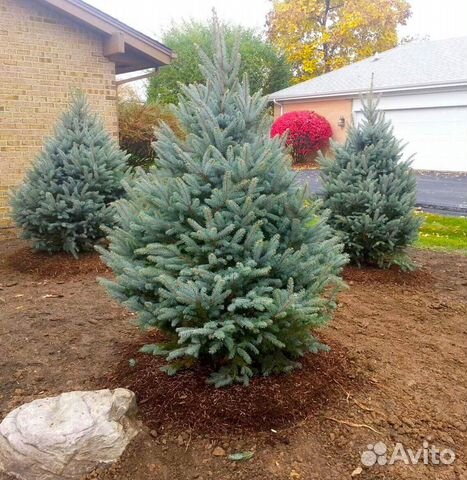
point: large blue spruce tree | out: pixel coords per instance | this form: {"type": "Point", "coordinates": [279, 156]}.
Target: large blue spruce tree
{"type": "Point", "coordinates": [66, 197]}
{"type": "Point", "coordinates": [370, 192]}
{"type": "Point", "coordinates": [218, 246]}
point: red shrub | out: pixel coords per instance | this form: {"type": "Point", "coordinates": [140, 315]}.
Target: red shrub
{"type": "Point", "coordinates": [307, 132]}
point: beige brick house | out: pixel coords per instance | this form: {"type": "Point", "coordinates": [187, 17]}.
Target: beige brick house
{"type": "Point", "coordinates": [47, 49]}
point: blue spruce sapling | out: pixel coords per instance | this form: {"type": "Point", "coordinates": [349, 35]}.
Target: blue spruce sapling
{"type": "Point", "coordinates": [370, 192]}
{"type": "Point", "coordinates": [217, 246]}
{"type": "Point", "coordinates": [66, 197]}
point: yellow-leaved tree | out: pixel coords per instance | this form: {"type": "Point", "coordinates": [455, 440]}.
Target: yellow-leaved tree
{"type": "Point", "coordinates": [318, 36]}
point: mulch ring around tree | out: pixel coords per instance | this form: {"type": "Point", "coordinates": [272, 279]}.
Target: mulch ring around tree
{"type": "Point", "coordinates": [186, 401]}
{"type": "Point", "coordinates": [421, 277]}
{"type": "Point", "coordinates": [60, 265]}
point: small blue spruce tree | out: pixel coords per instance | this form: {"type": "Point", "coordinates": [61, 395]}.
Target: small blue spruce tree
{"type": "Point", "coordinates": [370, 192]}
{"type": "Point", "coordinates": [66, 197]}
{"type": "Point", "coordinates": [217, 246]}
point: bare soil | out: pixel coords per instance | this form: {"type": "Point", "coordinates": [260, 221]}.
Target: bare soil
{"type": "Point", "coordinates": [397, 372]}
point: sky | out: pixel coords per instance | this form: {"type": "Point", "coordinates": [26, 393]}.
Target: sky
{"type": "Point", "coordinates": [430, 18]}
{"type": "Point", "coordinates": [153, 16]}
{"type": "Point", "coordinates": [433, 18]}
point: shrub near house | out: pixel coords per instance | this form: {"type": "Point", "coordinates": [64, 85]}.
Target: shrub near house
{"type": "Point", "coordinates": [136, 128]}
{"type": "Point", "coordinates": [307, 132]}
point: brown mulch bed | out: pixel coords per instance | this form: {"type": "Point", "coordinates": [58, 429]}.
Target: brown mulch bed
{"type": "Point", "coordinates": [396, 373]}
{"type": "Point", "coordinates": [59, 265]}
{"type": "Point", "coordinates": [393, 275]}
{"type": "Point", "coordinates": [269, 402]}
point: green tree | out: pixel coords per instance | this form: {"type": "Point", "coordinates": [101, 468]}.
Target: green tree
{"type": "Point", "coordinates": [370, 192]}
{"type": "Point", "coordinates": [318, 36]}
{"type": "Point", "coordinates": [66, 197]}
{"type": "Point", "coordinates": [216, 245]}
{"type": "Point", "coordinates": [266, 68]}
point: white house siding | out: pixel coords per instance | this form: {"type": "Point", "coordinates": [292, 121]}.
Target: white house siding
{"type": "Point", "coordinates": [434, 126]}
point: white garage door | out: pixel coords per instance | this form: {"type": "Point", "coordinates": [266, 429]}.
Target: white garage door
{"type": "Point", "coordinates": [437, 136]}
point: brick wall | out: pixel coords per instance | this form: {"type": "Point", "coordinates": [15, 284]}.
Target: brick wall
{"type": "Point", "coordinates": [43, 57]}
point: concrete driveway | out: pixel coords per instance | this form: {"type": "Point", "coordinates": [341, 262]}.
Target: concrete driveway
{"type": "Point", "coordinates": [444, 193]}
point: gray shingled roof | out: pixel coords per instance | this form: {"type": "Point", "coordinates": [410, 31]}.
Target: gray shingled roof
{"type": "Point", "coordinates": [416, 64]}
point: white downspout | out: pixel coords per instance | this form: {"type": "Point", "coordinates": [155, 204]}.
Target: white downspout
{"type": "Point", "coordinates": [281, 106]}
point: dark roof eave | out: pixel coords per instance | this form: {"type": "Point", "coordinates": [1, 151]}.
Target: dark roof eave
{"type": "Point", "coordinates": [156, 54]}
{"type": "Point", "coordinates": [123, 26]}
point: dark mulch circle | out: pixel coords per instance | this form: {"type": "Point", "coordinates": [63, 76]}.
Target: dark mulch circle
{"type": "Point", "coordinates": [58, 265]}
{"type": "Point", "coordinates": [419, 278]}
{"type": "Point", "coordinates": [185, 401]}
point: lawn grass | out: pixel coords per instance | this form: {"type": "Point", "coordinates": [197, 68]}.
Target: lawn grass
{"type": "Point", "coordinates": [440, 232]}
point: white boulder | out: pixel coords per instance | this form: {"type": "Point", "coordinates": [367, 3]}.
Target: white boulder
{"type": "Point", "coordinates": [67, 436]}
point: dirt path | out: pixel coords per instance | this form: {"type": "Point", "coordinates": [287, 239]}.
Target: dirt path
{"type": "Point", "coordinates": [403, 379]}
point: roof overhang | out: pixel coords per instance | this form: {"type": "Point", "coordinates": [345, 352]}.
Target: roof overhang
{"type": "Point", "coordinates": [399, 90]}
{"type": "Point", "coordinates": [129, 49]}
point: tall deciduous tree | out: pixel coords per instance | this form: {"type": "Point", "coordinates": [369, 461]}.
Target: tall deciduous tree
{"type": "Point", "coordinates": [267, 69]}
{"type": "Point", "coordinates": [318, 36]}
